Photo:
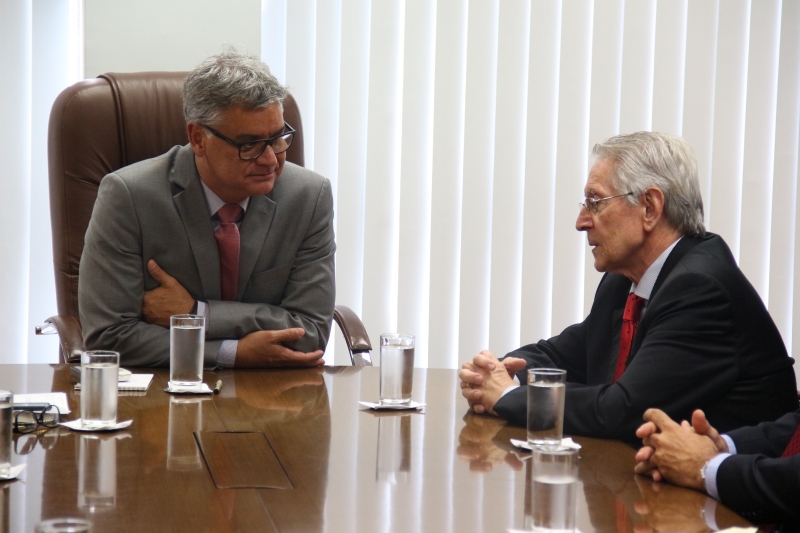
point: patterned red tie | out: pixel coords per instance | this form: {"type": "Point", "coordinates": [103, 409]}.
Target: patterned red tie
{"type": "Point", "coordinates": [630, 319]}
{"type": "Point", "coordinates": [794, 445]}
{"type": "Point", "coordinates": [227, 236]}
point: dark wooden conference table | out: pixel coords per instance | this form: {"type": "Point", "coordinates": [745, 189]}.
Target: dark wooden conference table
{"type": "Point", "coordinates": [293, 451]}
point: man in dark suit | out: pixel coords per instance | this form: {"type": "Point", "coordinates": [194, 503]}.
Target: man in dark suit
{"type": "Point", "coordinates": [753, 470]}
{"type": "Point", "coordinates": [674, 324]}
{"type": "Point", "coordinates": [223, 227]}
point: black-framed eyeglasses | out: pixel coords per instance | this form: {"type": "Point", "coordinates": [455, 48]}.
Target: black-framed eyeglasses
{"type": "Point", "coordinates": [249, 150]}
{"type": "Point", "coordinates": [593, 204]}
{"type": "Point", "coordinates": [28, 421]}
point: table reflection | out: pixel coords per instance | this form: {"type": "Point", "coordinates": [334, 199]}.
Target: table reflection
{"type": "Point", "coordinates": [394, 448]}
{"type": "Point", "coordinates": [185, 418]}
{"type": "Point", "coordinates": [97, 472]}
{"type": "Point", "coordinates": [5, 503]}
{"type": "Point", "coordinates": [478, 444]}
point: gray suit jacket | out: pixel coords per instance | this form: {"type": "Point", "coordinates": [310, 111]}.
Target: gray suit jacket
{"type": "Point", "coordinates": [156, 209]}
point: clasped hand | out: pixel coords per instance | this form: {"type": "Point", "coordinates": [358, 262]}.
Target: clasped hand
{"type": "Point", "coordinates": [484, 379]}
{"type": "Point", "coordinates": [677, 452]}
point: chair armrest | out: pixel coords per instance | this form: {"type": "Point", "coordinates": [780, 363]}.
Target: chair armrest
{"type": "Point", "coordinates": [70, 337]}
{"type": "Point", "coordinates": [355, 335]}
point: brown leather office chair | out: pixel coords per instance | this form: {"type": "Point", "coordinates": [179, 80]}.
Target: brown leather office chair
{"type": "Point", "coordinates": [100, 125]}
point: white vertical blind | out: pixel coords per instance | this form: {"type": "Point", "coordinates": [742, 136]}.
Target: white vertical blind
{"type": "Point", "coordinates": [571, 160]}
{"type": "Point", "coordinates": [384, 124]}
{"type": "Point", "coordinates": [464, 130]}
{"type": "Point", "coordinates": [352, 139]}
{"type": "Point", "coordinates": [41, 45]}
{"type": "Point", "coordinates": [505, 288]}
{"type": "Point", "coordinates": [725, 204]}
{"type": "Point", "coordinates": [605, 105]}
{"type": "Point", "coordinates": [759, 143]}
{"type": "Point", "coordinates": [15, 146]}
{"type": "Point", "coordinates": [783, 266]}
{"type": "Point", "coordinates": [699, 89]}
{"type": "Point", "coordinates": [544, 53]}
{"type": "Point", "coordinates": [476, 209]}
{"type": "Point", "coordinates": [416, 160]}
{"type": "Point", "coordinates": [638, 47]}
{"type": "Point", "coordinates": [448, 164]}
{"type": "Point", "coordinates": [669, 66]}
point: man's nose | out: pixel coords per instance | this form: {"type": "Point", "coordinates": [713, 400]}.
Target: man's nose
{"type": "Point", "coordinates": [267, 157]}
{"type": "Point", "coordinates": [584, 221]}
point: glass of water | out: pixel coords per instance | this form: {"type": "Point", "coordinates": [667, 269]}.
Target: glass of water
{"type": "Point", "coordinates": [187, 334]}
{"type": "Point", "coordinates": [99, 388]}
{"type": "Point", "coordinates": [546, 391]}
{"type": "Point", "coordinates": [6, 406]}
{"type": "Point", "coordinates": [397, 368]}
{"type": "Point", "coordinates": [554, 491]}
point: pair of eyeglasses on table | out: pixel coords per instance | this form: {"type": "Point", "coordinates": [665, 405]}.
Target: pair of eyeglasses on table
{"type": "Point", "coordinates": [39, 418]}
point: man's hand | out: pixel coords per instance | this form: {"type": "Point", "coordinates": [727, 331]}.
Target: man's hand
{"type": "Point", "coordinates": [485, 378]}
{"type": "Point", "coordinates": [672, 451]}
{"type": "Point", "coordinates": [699, 424]}
{"type": "Point", "coordinates": [167, 300]}
{"type": "Point", "coordinates": [263, 349]}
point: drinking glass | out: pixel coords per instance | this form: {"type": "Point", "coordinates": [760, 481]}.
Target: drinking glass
{"type": "Point", "coordinates": [99, 388]}
{"type": "Point", "coordinates": [397, 368]}
{"type": "Point", "coordinates": [546, 388]}
{"type": "Point", "coordinates": [186, 342]}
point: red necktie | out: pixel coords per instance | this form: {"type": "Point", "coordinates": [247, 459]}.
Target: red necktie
{"type": "Point", "coordinates": [794, 445]}
{"type": "Point", "coordinates": [630, 319]}
{"type": "Point", "coordinates": [227, 236]}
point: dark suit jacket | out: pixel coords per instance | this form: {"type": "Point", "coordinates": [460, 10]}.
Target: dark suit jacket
{"type": "Point", "coordinates": [705, 340]}
{"type": "Point", "coordinates": [156, 209]}
{"type": "Point", "coordinates": [757, 480]}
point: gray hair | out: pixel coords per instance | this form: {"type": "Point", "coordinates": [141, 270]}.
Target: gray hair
{"type": "Point", "coordinates": [646, 160]}
{"type": "Point", "coordinates": [225, 80]}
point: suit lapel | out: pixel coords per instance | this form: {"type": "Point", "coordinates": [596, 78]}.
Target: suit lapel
{"type": "Point", "coordinates": [684, 246]}
{"type": "Point", "coordinates": [255, 227]}
{"type": "Point", "coordinates": [191, 203]}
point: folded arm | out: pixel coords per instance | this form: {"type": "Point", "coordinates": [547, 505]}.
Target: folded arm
{"type": "Point", "coordinates": [308, 296]}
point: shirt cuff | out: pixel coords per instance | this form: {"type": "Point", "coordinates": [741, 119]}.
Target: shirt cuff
{"type": "Point", "coordinates": [226, 357]}
{"type": "Point", "coordinates": [711, 474]}
{"type": "Point", "coordinates": [512, 387]}
{"type": "Point", "coordinates": [731, 444]}
{"type": "Point", "coordinates": [202, 310]}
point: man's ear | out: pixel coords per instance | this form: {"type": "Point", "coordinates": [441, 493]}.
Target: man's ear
{"type": "Point", "coordinates": [197, 138]}
{"type": "Point", "coordinates": [653, 202]}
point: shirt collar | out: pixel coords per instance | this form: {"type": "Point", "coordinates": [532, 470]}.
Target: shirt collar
{"type": "Point", "coordinates": [215, 202]}
{"type": "Point", "coordinates": [648, 281]}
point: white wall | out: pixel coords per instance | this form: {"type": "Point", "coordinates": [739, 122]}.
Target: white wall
{"type": "Point", "coordinates": [142, 35]}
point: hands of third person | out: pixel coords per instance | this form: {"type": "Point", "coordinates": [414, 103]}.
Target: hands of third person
{"type": "Point", "coordinates": [677, 452]}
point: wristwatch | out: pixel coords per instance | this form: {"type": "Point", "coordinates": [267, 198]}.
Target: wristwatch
{"type": "Point", "coordinates": [703, 471]}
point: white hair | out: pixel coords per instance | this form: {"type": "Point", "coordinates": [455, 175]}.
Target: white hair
{"type": "Point", "coordinates": [644, 160]}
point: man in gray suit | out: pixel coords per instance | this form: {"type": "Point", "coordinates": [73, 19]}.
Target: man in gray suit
{"type": "Point", "coordinates": [221, 227]}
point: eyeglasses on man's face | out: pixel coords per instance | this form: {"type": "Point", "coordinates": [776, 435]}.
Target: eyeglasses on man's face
{"type": "Point", "coordinates": [249, 150]}
{"type": "Point", "coordinates": [593, 204]}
